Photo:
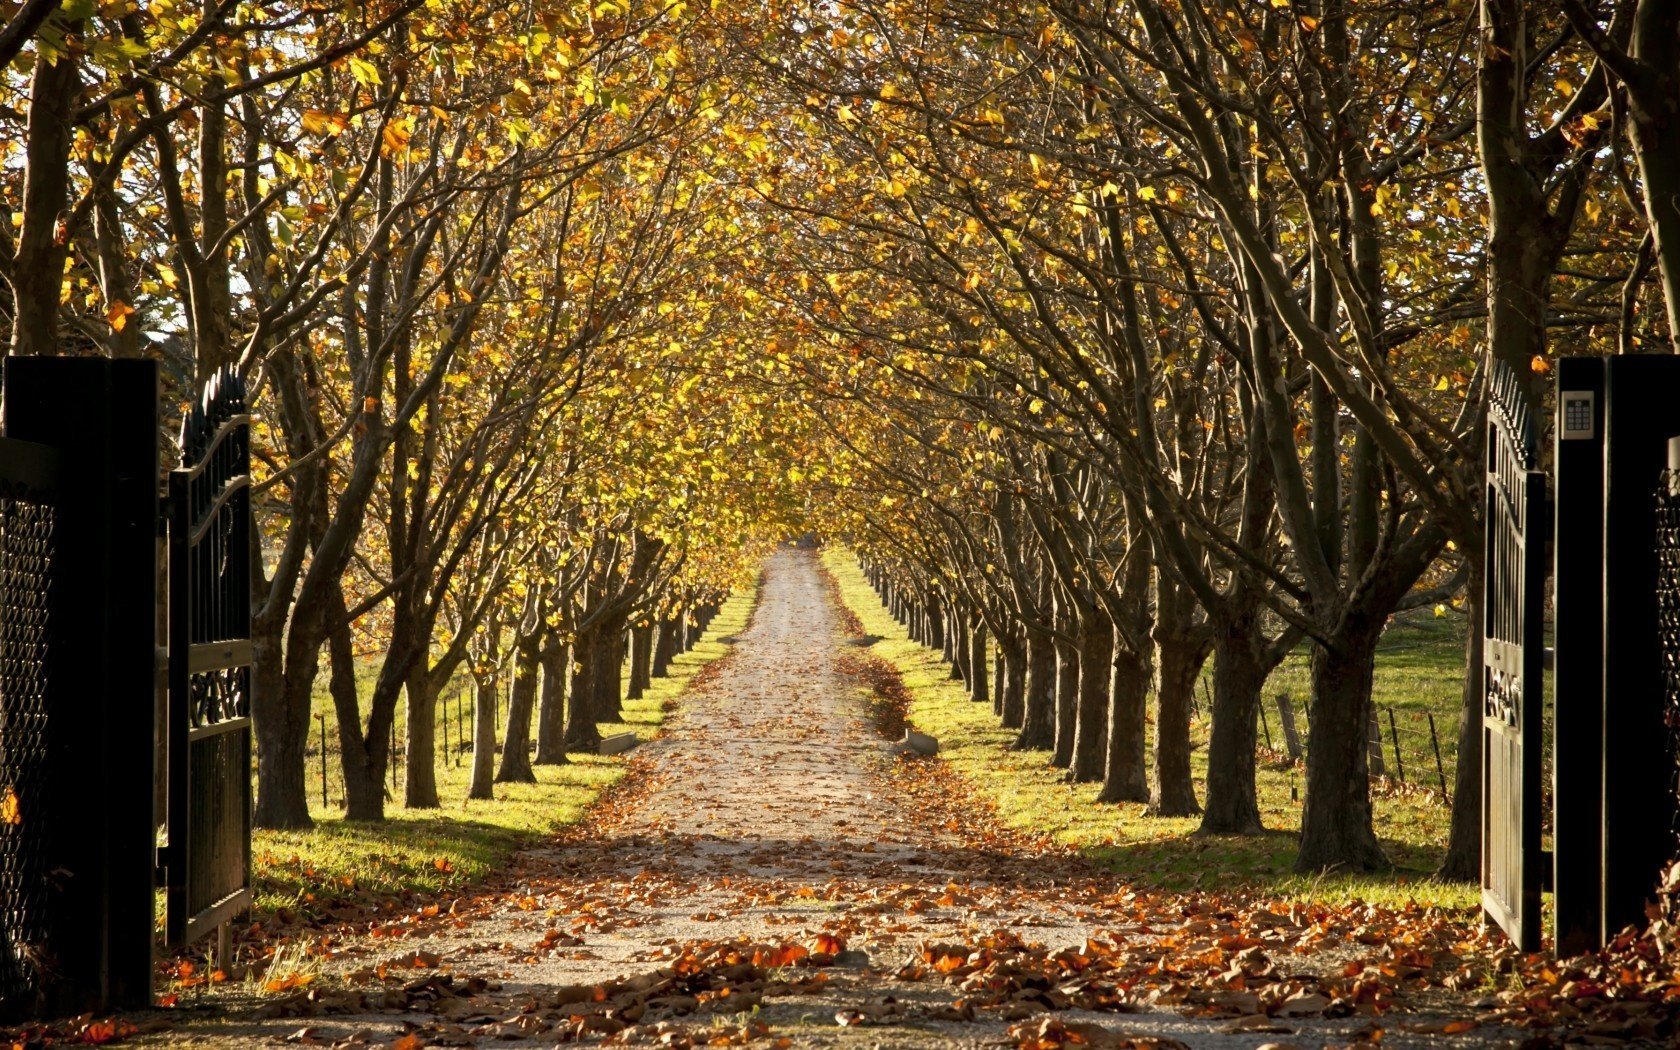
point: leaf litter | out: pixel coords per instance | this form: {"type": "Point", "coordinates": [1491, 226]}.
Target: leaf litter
{"type": "Point", "coordinates": [766, 864]}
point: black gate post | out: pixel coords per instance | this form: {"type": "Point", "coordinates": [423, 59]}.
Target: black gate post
{"type": "Point", "coordinates": [1578, 669]}
{"type": "Point", "coordinates": [1642, 394]}
{"type": "Point", "coordinates": [102, 416]}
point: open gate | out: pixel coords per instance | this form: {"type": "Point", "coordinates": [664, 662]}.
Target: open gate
{"type": "Point", "coordinates": [1513, 653]}
{"type": "Point", "coordinates": [207, 861]}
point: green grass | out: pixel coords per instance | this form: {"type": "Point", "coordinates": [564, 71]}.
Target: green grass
{"type": "Point", "coordinates": [1165, 853]}
{"type": "Point", "coordinates": [432, 851]}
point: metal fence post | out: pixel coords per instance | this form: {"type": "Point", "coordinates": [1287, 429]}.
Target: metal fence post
{"type": "Point", "coordinates": [1578, 663]}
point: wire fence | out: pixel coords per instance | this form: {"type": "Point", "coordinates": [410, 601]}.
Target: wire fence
{"type": "Point", "coordinates": [452, 734]}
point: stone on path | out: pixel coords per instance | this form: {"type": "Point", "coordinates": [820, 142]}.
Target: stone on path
{"type": "Point", "coordinates": [618, 743]}
{"type": "Point", "coordinates": [914, 743]}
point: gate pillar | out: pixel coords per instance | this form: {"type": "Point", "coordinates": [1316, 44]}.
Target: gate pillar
{"type": "Point", "coordinates": [1615, 418]}
{"type": "Point", "coordinates": [102, 417]}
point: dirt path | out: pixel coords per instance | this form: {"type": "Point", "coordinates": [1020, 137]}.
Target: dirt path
{"type": "Point", "coordinates": [773, 856]}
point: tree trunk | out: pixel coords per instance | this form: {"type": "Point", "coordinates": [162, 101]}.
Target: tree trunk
{"type": "Point", "coordinates": [1011, 683]}
{"type": "Point", "coordinates": [37, 263]}
{"type": "Point", "coordinates": [1463, 861]}
{"type": "Point", "coordinates": [551, 714]}
{"type": "Point", "coordinates": [1094, 677]}
{"type": "Point", "coordinates": [1336, 827]}
{"type": "Point", "coordinates": [420, 778]}
{"type": "Point", "coordinates": [581, 731]}
{"type": "Point", "coordinates": [516, 740]}
{"type": "Point", "coordinates": [665, 648]}
{"type": "Point", "coordinates": [1233, 804]}
{"type": "Point", "coordinates": [1171, 790]}
{"type": "Point", "coordinates": [609, 675]}
{"type": "Point", "coordinates": [363, 771]}
{"type": "Point", "coordinates": [956, 644]}
{"type": "Point", "coordinates": [484, 735]}
{"type": "Point", "coordinates": [978, 687]}
{"type": "Point", "coordinates": [1038, 716]}
{"type": "Point", "coordinates": [1125, 779]}
{"type": "Point", "coordinates": [641, 659]}
{"type": "Point", "coordinates": [282, 737]}
{"type": "Point", "coordinates": [1067, 704]}
{"type": "Point", "coordinates": [1655, 108]}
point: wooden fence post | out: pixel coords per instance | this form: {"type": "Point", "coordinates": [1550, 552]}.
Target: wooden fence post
{"type": "Point", "coordinates": [1291, 735]}
{"type": "Point", "coordinates": [1394, 738]}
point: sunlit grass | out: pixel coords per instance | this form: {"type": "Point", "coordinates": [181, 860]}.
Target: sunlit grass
{"type": "Point", "coordinates": [1164, 852]}
{"type": "Point", "coordinates": [433, 851]}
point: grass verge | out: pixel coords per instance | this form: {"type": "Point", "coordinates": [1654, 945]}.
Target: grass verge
{"type": "Point", "coordinates": [1156, 852]}
{"type": "Point", "coordinates": [341, 863]}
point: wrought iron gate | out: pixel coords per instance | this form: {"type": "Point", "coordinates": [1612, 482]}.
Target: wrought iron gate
{"type": "Point", "coordinates": [208, 859]}
{"type": "Point", "coordinates": [1668, 624]}
{"type": "Point", "coordinates": [29, 473]}
{"type": "Point", "coordinates": [1513, 653]}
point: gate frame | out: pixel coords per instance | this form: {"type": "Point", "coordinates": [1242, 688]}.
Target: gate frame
{"type": "Point", "coordinates": [192, 518]}
{"type": "Point", "coordinates": [1512, 671]}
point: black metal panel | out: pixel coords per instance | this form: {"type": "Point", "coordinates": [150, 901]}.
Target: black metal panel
{"type": "Point", "coordinates": [28, 473]}
{"type": "Point", "coordinates": [207, 876]}
{"type": "Point", "coordinates": [101, 418]}
{"type": "Point", "coordinates": [1578, 670]}
{"type": "Point", "coordinates": [1668, 612]}
{"type": "Point", "coordinates": [1513, 653]}
{"type": "Point", "coordinates": [1642, 398]}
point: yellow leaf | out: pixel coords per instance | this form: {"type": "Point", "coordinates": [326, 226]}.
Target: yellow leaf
{"type": "Point", "coordinates": [396, 136]}
{"type": "Point", "coordinates": [119, 313]}
{"type": "Point", "coordinates": [10, 813]}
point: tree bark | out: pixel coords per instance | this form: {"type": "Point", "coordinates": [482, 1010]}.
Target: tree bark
{"type": "Point", "coordinates": [1239, 674]}
{"type": "Point", "coordinates": [956, 644]}
{"type": "Point", "coordinates": [484, 735]}
{"type": "Point", "coordinates": [1038, 719]}
{"type": "Point", "coordinates": [420, 777]}
{"type": "Point", "coordinates": [665, 648]}
{"type": "Point", "coordinates": [1463, 861]}
{"type": "Point", "coordinates": [1067, 702]}
{"type": "Point", "coordinates": [36, 268]}
{"type": "Point", "coordinates": [1336, 826]}
{"type": "Point", "coordinates": [282, 738]}
{"type": "Point", "coordinates": [979, 688]}
{"type": "Point", "coordinates": [1094, 678]}
{"type": "Point", "coordinates": [608, 679]}
{"type": "Point", "coordinates": [1172, 792]}
{"type": "Point", "coordinates": [551, 714]}
{"type": "Point", "coordinates": [363, 771]}
{"type": "Point", "coordinates": [515, 767]}
{"type": "Point", "coordinates": [1010, 691]}
{"type": "Point", "coordinates": [1125, 778]}
{"type": "Point", "coordinates": [641, 659]}
{"type": "Point", "coordinates": [581, 731]}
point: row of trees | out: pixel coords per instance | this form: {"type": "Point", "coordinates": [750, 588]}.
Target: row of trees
{"type": "Point", "coordinates": [1130, 338]}
{"type": "Point", "coordinates": [1159, 333]}
{"type": "Point", "coordinates": [467, 256]}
